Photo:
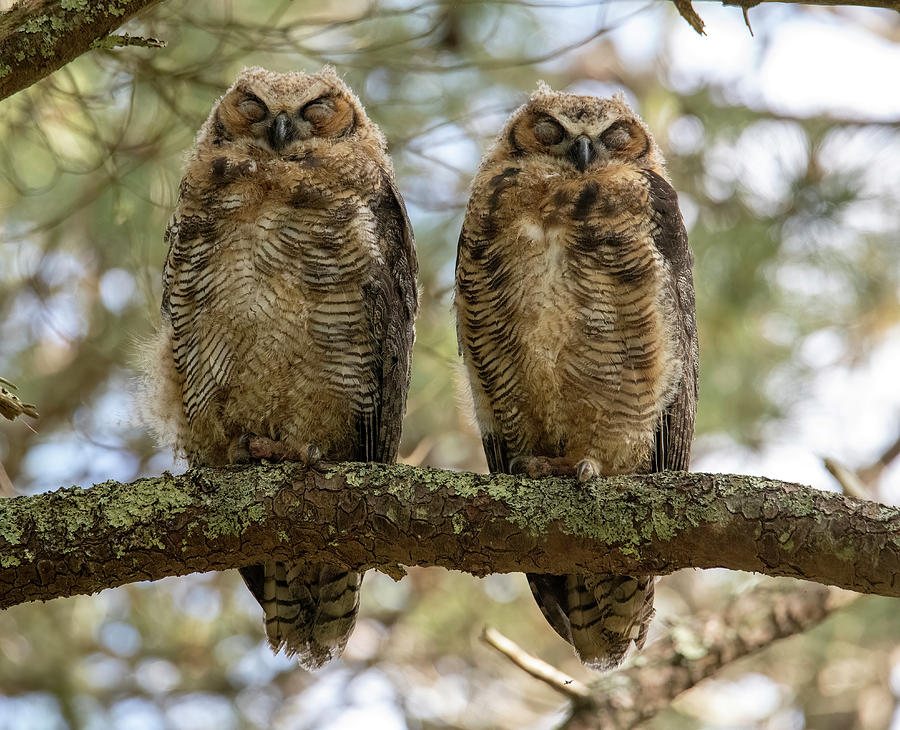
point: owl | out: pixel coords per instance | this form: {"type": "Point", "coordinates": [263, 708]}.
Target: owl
{"type": "Point", "coordinates": [575, 316]}
{"type": "Point", "coordinates": [289, 295]}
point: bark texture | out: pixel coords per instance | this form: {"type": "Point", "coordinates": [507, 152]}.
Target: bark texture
{"type": "Point", "coordinates": [371, 515]}
{"type": "Point", "coordinates": [37, 37]}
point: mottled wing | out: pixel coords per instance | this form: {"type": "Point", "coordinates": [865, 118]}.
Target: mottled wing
{"type": "Point", "coordinates": [204, 361]}
{"type": "Point", "coordinates": [672, 448]}
{"type": "Point", "coordinates": [485, 326]}
{"type": "Point", "coordinates": [391, 305]}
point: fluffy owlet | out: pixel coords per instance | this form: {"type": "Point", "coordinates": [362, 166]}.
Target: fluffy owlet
{"type": "Point", "coordinates": [575, 314]}
{"type": "Point", "coordinates": [289, 294]}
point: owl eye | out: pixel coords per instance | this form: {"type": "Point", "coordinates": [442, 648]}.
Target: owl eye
{"type": "Point", "coordinates": [617, 136]}
{"type": "Point", "coordinates": [318, 112]}
{"type": "Point", "coordinates": [253, 108]}
{"type": "Point", "coordinates": [549, 132]}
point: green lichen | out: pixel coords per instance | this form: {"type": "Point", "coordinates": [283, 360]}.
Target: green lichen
{"type": "Point", "coordinates": [230, 506]}
{"type": "Point", "coordinates": [459, 523]}
{"type": "Point", "coordinates": [46, 31]}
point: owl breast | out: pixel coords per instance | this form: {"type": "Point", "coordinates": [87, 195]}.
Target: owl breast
{"type": "Point", "coordinates": [283, 323]}
{"type": "Point", "coordinates": [592, 361]}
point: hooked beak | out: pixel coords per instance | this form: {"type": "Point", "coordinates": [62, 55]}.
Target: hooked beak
{"type": "Point", "coordinates": [281, 131]}
{"type": "Point", "coordinates": [582, 152]}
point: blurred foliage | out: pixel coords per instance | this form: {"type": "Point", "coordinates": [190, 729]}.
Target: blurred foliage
{"type": "Point", "coordinates": [794, 225]}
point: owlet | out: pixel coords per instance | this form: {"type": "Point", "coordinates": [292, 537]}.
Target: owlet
{"type": "Point", "coordinates": [289, 295]}
{"type": "Point", "coordinates": [575, 315]}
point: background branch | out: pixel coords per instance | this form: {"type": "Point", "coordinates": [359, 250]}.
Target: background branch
{"type": "Point", "coordinates": [82, 540]}
{"type": "Point", "coordinates": [37, 37]}
{"type": "Point", "coordinates": [686, 10]}
{"type": "Point", "coordinates": [11, 407]}
{"type": "Point", "coordinates": [695, 650]}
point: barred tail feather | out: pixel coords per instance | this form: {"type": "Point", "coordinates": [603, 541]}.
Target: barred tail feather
{"type": "Point", "coordinates": [310, 608]}
{"type": "Point", "coordinates": [600, 615]}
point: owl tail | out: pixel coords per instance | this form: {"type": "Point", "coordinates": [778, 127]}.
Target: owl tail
{"type": "Point", "coordinates": [600, 615]}
{"type": "Point", "coordinates": [310, 608]}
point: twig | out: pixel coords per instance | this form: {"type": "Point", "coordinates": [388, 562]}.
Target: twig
{"type": "Point", "coordinates": [869, 474]}
{"type": "Point", "coordinates": [11, 406]}
{"type": "Point", "coordinates": [850, 483]}
{"type": "Point", "coordinates": [686, 11]}
{"type": "Point", "coordinates": [537, 668]}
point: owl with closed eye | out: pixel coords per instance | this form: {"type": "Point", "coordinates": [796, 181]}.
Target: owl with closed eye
{"type": "Point", "coordinates": [575, 315]}
{"type": "Point", "coordinates": [289, 294]}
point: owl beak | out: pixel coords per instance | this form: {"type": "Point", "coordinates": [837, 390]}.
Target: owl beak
{"type": "Point", "coordinates": [582, 152]}
{"type": "Point", "coordinates": [281, 131]}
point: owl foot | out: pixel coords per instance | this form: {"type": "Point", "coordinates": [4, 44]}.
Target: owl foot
{"type": "Point", "coordinates": [534, 466]}
{"type": "Point", "coordinates": [265, 448]}
{"type": "Point", "coordinates": [587, 469]}
{"type": "Point", "coordinates": [538, 467]}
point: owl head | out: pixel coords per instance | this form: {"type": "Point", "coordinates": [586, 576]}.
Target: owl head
{"type": "Point", "coordinates": [582, 133]}
{"type": "Point", "coordinates": [286, 113]}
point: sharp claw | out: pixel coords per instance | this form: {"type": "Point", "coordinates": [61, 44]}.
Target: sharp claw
{"type": "Point", "coordinates": [586, 470]}
{"type": "Point", "coordinates": [239, 451]}
{"type": "Point", "coordinates": [311, 455]}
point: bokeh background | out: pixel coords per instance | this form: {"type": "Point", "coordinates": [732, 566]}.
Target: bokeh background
{"type": "Point", "coordinates": [785, 149]}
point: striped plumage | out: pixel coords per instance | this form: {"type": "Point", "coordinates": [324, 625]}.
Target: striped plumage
{"type": "Point", "coordinates": [575, 315]}
{"type": "Point", "coordinates": [288, 303]}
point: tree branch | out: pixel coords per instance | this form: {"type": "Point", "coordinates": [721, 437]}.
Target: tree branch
{"type": "Point", "coordinates": [686, 10]}
{"type": "Point", "coordinates": [37, 37]}
{"type": "Point", "coordinates": [695, 650]}
{"type": "Point", "coordinates": [370, 515]}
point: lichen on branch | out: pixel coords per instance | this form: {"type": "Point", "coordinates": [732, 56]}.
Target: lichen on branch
{"type": "Point", "coordinates": [372, 515]}
{"type": "Point", "coordinates": [38, 37]}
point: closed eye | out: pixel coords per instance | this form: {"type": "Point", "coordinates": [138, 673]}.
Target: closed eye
{"type": "Point", "coordinates": [253, 108]}
{"type": "Point", "coordinates": [549, 132]}
{"type": "Point", "coordinates": [617, 135]}
{"type": "Point", "coordinates": [318, 111]}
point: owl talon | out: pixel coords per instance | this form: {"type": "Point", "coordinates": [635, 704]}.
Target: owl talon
{"type": "Point", "coordinates": [239, 449]}
{"type": "Point", "coordinates": [587, 469]}
{"type": "Point", "coordinates": [309, 455]}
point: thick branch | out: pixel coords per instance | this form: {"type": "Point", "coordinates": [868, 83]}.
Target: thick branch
{"type": "Point", "coordinates": [37, 37]}
{"type": "Point", "coordinates": [367, 515]}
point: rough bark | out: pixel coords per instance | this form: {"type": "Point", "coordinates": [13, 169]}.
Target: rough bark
{"type": "Point", "coordinates": [37, 37]}
{"type": "Point", "coordinates": [369, 515]}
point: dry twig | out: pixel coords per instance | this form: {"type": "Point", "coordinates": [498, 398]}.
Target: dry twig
{"type": "Point", "coordinates": [537, 668]}
{"type": "Point", "coordinates": [11, 406]}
